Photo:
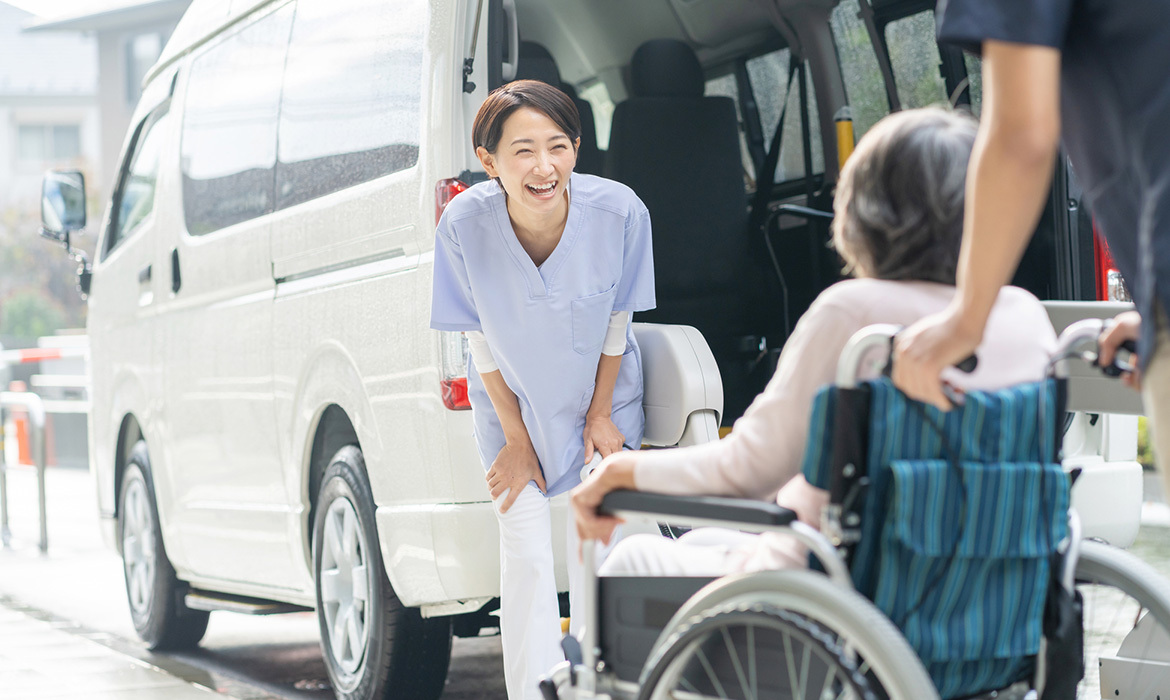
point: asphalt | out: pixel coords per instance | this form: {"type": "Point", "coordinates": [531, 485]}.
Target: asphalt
{"type": "Point", "coordinates": [65, 629]}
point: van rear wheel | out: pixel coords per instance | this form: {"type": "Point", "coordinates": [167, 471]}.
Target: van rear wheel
{"type": "Point", "coordinates": [161, 617]}
{"type": "Point", "coordinates": [374, 646]}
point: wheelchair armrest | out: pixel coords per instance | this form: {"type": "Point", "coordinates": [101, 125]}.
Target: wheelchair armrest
{"type": "Point", "coordinates": [731, 510]}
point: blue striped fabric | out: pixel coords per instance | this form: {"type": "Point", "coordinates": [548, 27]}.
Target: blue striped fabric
{"type": "Point", "coordinates": [980, 622]}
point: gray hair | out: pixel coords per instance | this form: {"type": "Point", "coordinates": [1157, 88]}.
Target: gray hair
{"type": "Point", "coordinates": [899, 202]}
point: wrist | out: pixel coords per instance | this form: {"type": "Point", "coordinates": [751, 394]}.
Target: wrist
{"type": "Point", "coordinates": [519, 440]}
{"type": "Point", "coordinates": [968, 319]}
{"type": "Point", "coordinates": [594, 414]}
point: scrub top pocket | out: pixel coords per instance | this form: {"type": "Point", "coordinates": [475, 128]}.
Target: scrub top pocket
{"type": "Point", "coordinates": [591, 320]}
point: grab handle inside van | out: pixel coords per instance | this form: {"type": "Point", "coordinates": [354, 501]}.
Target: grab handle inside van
{"type": "Point", "coordinates": [508, 70]}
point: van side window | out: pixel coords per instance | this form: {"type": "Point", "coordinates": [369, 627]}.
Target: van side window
{"type": "Point", "coordinates": [864, 87]}
{"type": "Point", "coordinates": [134, 200]}
{"type": "Point", "coordinates": [597, 95]}
{"type": "Point", "coordinates": [915, 60]}
{"type": "Point", "coordinates": [352, 97]}
{"type": "Point", "coordinates": [229, 126]}
{"type": "Point", "coordinates": [768, 75]}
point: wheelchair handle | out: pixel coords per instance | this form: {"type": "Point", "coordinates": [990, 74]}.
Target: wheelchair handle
{"type": "Point", "coordinates": [857, 360]}
{"type": "Point", "coordinates": [1089, 330]}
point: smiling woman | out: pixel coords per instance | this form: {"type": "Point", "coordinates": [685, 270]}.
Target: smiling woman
{"type": "Point", "coordinates": [541, 268]}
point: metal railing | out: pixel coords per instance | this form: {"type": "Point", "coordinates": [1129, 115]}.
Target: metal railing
{"type": "Point", "coordinates": [36, 420]}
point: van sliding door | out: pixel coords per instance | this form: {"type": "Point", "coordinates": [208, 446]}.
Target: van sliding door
{"type": "Point", "coordinates": [233, 510]}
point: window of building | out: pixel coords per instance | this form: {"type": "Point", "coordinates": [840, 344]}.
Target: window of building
{"type": "Point", "coordinates": [48, 142]}
{"type": "Point", "coordinates": [141, 53]}
{"type": "Point", "coordinates": [229, 126]}
{"type": "Point", "coordinates": [352, 99]}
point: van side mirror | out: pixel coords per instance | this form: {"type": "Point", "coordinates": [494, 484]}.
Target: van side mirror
{"type": "Point", "coordinates": [62, 204]}
{"type": "Point", "coordinates": [63, 213]}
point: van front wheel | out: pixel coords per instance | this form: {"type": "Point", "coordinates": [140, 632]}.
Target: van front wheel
{"type": "Point", "coordinates": [156, 596]}
{"type": "Point", "coordinates": [374, 647]}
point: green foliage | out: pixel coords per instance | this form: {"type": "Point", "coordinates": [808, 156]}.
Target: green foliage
{"type": "Point", "coordinates": [38, 281]}
{"type": "Point", "coordinates": [30, 313]}
{"type": "Point", "coordinates": [1145, 454]}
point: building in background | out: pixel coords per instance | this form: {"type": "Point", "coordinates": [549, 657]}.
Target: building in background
{"type": "Point", "coordinates": [48, 107]}
{"type": "Point", "coordinates": [130, 35]}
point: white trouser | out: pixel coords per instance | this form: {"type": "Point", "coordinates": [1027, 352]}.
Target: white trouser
{"type": "Point", "coordinates": [530, 628]}
{"type": "Point", "coordinates": [1156, 398]}
{"type": "Point", "coordinates": [707, 551]}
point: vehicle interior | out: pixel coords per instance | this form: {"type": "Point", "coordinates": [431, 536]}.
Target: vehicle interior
{"type": "Point", "coordinates": [691, 102]}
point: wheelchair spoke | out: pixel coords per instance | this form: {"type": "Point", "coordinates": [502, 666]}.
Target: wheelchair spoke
{"type": "Point", "coordinates": [751, 645]}
{"type": "Point", "coordinates": [734, 656]}
{"type": "Point", "coordinates": [702, 657]}
{"type": "Point", "coordinates": [788, 658]}
{"type": "Point", "coordinates": [804, 658]}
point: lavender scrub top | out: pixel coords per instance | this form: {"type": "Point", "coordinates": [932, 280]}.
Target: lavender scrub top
{"type": "Point", "coordinates": [545, 325]}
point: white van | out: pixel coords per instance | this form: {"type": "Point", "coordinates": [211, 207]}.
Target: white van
{"type": "Point", "coordinates": [274, 426]}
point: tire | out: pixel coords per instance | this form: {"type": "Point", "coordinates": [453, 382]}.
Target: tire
{"type": "Point", "coordinates": [725, 653]}
{"type": "Point", "coordinates": [868, 638]}
{"type": "Point", "coordinates": [154, 593]}
{"type": "Point", "coordinates": [1117, 589]}
{"type": "Point", "coordinates": [374, 647]}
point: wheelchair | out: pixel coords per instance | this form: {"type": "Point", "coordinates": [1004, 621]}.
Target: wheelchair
{"type": "Point", "coordinates": [957, 594]}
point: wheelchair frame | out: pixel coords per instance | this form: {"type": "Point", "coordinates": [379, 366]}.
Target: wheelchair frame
{"type": "Point", "coordinates": [586, 674]}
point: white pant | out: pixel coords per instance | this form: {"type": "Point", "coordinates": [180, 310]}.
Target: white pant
{"type": "Point", "coordinates": [707, 551]}
{"type": "Point", "coordinates": [530, 627]}
{"type": "Point", "coordinates": [1156, 398]}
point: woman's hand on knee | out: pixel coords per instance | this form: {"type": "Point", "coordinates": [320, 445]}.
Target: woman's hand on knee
{"type": "Point", "coordinates": [603, 436]}
{"type": "Point", "coordinates": [513, 468]}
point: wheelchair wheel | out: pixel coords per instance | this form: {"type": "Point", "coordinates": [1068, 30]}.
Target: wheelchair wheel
{"type": "Point", "coordinates": [1127, 625]}
{"type": "Point", "coordinates": [746, 651]}
{"type": "Point", "coordinates": [789, 634]}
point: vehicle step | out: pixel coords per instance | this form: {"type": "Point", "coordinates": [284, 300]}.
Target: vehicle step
{"type": "Point", "coordinates": [211, 601]}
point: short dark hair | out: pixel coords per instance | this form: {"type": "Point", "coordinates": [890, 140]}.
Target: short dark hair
{"type": "Point", "coordinates": [899, 202]}
{"type": "Point", "coordinates": [501, 102]}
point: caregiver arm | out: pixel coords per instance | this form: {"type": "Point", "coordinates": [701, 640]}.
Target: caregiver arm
{"type": "Point", "coordinates": [516, 464]}
{"type": "Point", "coordinates": [1007, 181]}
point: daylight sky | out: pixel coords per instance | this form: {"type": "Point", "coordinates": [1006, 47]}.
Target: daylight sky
{"type": "Point", "coordinates": [66, 8]}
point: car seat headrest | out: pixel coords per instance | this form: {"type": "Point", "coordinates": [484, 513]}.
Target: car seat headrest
{"type": "Point", "coordinates": [666, 68]}
{"type": "Point", "coordinates": [536, 63]}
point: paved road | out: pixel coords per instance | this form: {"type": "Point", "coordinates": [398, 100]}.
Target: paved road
{"type": "Point", "coordinates": [78, 587]}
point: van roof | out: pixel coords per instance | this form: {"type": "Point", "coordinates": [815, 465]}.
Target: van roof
{"type": "Point", "coordinates": [202, 21]}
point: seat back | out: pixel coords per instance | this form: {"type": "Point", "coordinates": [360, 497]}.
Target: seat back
{"type": "Point", "coordinates": [679, 151]}
{"type": "Point", "coordinates": [536, 63]}
{"type": "Point", "coordinates": [960, 515]}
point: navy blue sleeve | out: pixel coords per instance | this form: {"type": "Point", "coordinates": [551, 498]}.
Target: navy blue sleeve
{"type": "Point", "coordinates": [968, 23]}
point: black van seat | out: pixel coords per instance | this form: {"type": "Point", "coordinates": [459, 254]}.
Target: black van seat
{"type": "Point", "coordinates": [536, 63]}
{"type": "Point", "coordinates": [679, 151]}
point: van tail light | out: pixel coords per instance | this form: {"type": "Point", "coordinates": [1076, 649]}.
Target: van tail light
{"type": "Point", "coordinates": [1110, 285]}
{"type": "Point", "coordinates": [445, 191]}
{"type": "Point", "coordinates": [453, 370]}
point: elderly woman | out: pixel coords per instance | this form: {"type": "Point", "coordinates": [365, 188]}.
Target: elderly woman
{"type": "Point", "coordinates": [898, 225]}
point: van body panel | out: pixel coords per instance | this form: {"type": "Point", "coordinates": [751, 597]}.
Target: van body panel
{"type": "Point", "coordinates": [230, 506]}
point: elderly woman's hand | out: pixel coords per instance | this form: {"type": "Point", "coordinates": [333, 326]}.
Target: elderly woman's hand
{"type": "Point", "coordinates": [615, 472]}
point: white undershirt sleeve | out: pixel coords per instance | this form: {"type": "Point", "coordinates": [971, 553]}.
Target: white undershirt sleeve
{"type": "Point", "coordinates": [614, 343]}
{"type": "Point", "coordinates": [480, 352]}
{"type": "Point", "coordinates": [615, 337]}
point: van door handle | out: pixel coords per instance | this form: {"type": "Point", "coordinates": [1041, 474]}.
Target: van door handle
{"type": "Point", "coordinates": [144, 275]}
{"type": "Point", "coordinates": [176, 276]}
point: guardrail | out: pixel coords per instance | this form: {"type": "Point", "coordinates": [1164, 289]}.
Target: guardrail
{"type": "Point", "coordinates": [36, 414]}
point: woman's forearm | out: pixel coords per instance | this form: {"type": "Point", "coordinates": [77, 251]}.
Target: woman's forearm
{"type": "Point", "coordinates": [607, 372]}
{"type": "Point", "coordinates": [507, 408]}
